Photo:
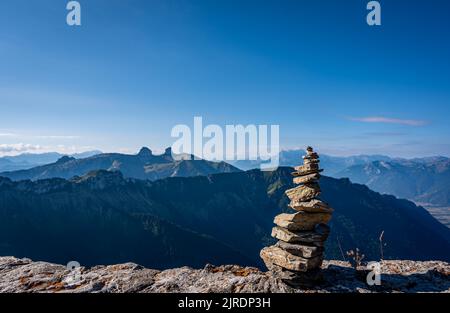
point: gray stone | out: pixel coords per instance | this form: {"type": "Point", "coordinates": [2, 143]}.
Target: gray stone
{"type": "Point", "coordinates": [300, 250]}
{"type": "Point", "coordinates": [316, 237]}
{"type": "Point", "coordinates": [305, 172]}
{"type": "Point", "coordinates": [302, 193]}
{"type": "Point", "coordinates": [312, 206]}
{"type": "Point", "coordinates": [307, 178]}
{"type": "Point", "coordinates": [296, 279]}
{"type": "Point", "coordinates": [275, 255]}
{"type": "Point", "coordinates": [307, 167]}
{"type": "Point", "coordinates": [301, 220]}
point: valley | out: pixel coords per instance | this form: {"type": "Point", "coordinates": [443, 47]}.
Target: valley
{"type": "Point", "coordinates": [105, 218]}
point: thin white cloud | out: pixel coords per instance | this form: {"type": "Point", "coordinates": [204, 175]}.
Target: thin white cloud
{"type": "Point", "coordinates": [57, 137]}
{"type": "Point", "coordinates": [18, 148]}
{"type": "Point", "coordinates": [60, 137]}
{"type": "Point", "coordinates": [388, 120]}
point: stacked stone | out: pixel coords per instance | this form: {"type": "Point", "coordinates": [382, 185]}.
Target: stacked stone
{"type": "Point", "coordinates": [297, 257]}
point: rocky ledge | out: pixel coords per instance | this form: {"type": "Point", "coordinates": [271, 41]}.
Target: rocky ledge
{"type": "Point", "coordinates": [24, 275]}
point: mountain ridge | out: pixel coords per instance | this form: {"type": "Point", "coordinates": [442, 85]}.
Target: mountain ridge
{"type": "Point", "coordinates": [30, 160]}
{"type": "Point", "coordinates": [425, 181]}
{"type": "Point", "coordinates": [144, 165]}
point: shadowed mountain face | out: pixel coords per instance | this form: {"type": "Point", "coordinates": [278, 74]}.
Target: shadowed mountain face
{"type": "Point", "coordinates": [424, 181]}
{"type": "Point", "coordinates": [98, 219]}
{"type": "Point", "coordinates": [144, 165]}
{"type": "Point", "coordinates": [102, 218]}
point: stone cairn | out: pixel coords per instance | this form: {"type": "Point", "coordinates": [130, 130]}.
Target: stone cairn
{"type": "Point", "coordinates": [297, 257]}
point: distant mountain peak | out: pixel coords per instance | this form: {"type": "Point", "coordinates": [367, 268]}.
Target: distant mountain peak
{"type": "Point", "coordinates": [65, 159]}
{"type": "Point", "coordinates": [145, 152]}
{"type": "Point", "coordinates": [144, 165]}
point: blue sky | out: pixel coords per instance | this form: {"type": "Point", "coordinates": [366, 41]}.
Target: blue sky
{"type": "Point", "coordinates": [135, 69]}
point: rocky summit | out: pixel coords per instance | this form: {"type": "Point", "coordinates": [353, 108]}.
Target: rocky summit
{"type": "Point", "coordinates": [26, 276]}
{"type": "Point", "coordinates": [297, 257]}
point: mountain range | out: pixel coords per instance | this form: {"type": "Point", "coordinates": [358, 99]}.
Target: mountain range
{"type": "Point", "coordinates": [425, 181]}
{"type": "Point", "coordinates": [331, 164]}
{"type": "Point", "coordinates": [29, 160]}
{"type": "Point", "coordinates": [105, 218]}
{"type": "Point", "coordinates": [144, 165]}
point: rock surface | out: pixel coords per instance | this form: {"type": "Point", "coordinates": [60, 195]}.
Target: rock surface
{"type": "Point", "coordinates": [23, 275]}
{"type": "Point", "coordinates": [280, 257]}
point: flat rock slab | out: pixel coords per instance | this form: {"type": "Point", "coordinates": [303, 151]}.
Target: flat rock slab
{"type": "Point", "coordinates": [302, 172]}
{"type": "Point", "coordinates": [276, 255]}
{"type": "Point", "coordinates": [26, 276]}
{"type": "Point", "coordinates": [298, 279]}
{"type": "Point", "coordinates": [307, 167]}
{"type": "Point", "coordinates": [312, 206]}
{"type": "Point", "coordinates": [301, 220]}
{"type": "Point", "coordinates": [303, 251]}
{"type": "Point", "coordinates": [316, 237]}
{"type": "Point", "coordinates": [307, 178]}
{"type": "Point", "coordinates": [303, 193]}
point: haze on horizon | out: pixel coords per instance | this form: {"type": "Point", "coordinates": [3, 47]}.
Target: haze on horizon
{"type": "Point", "coordinates": [135, 69]}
